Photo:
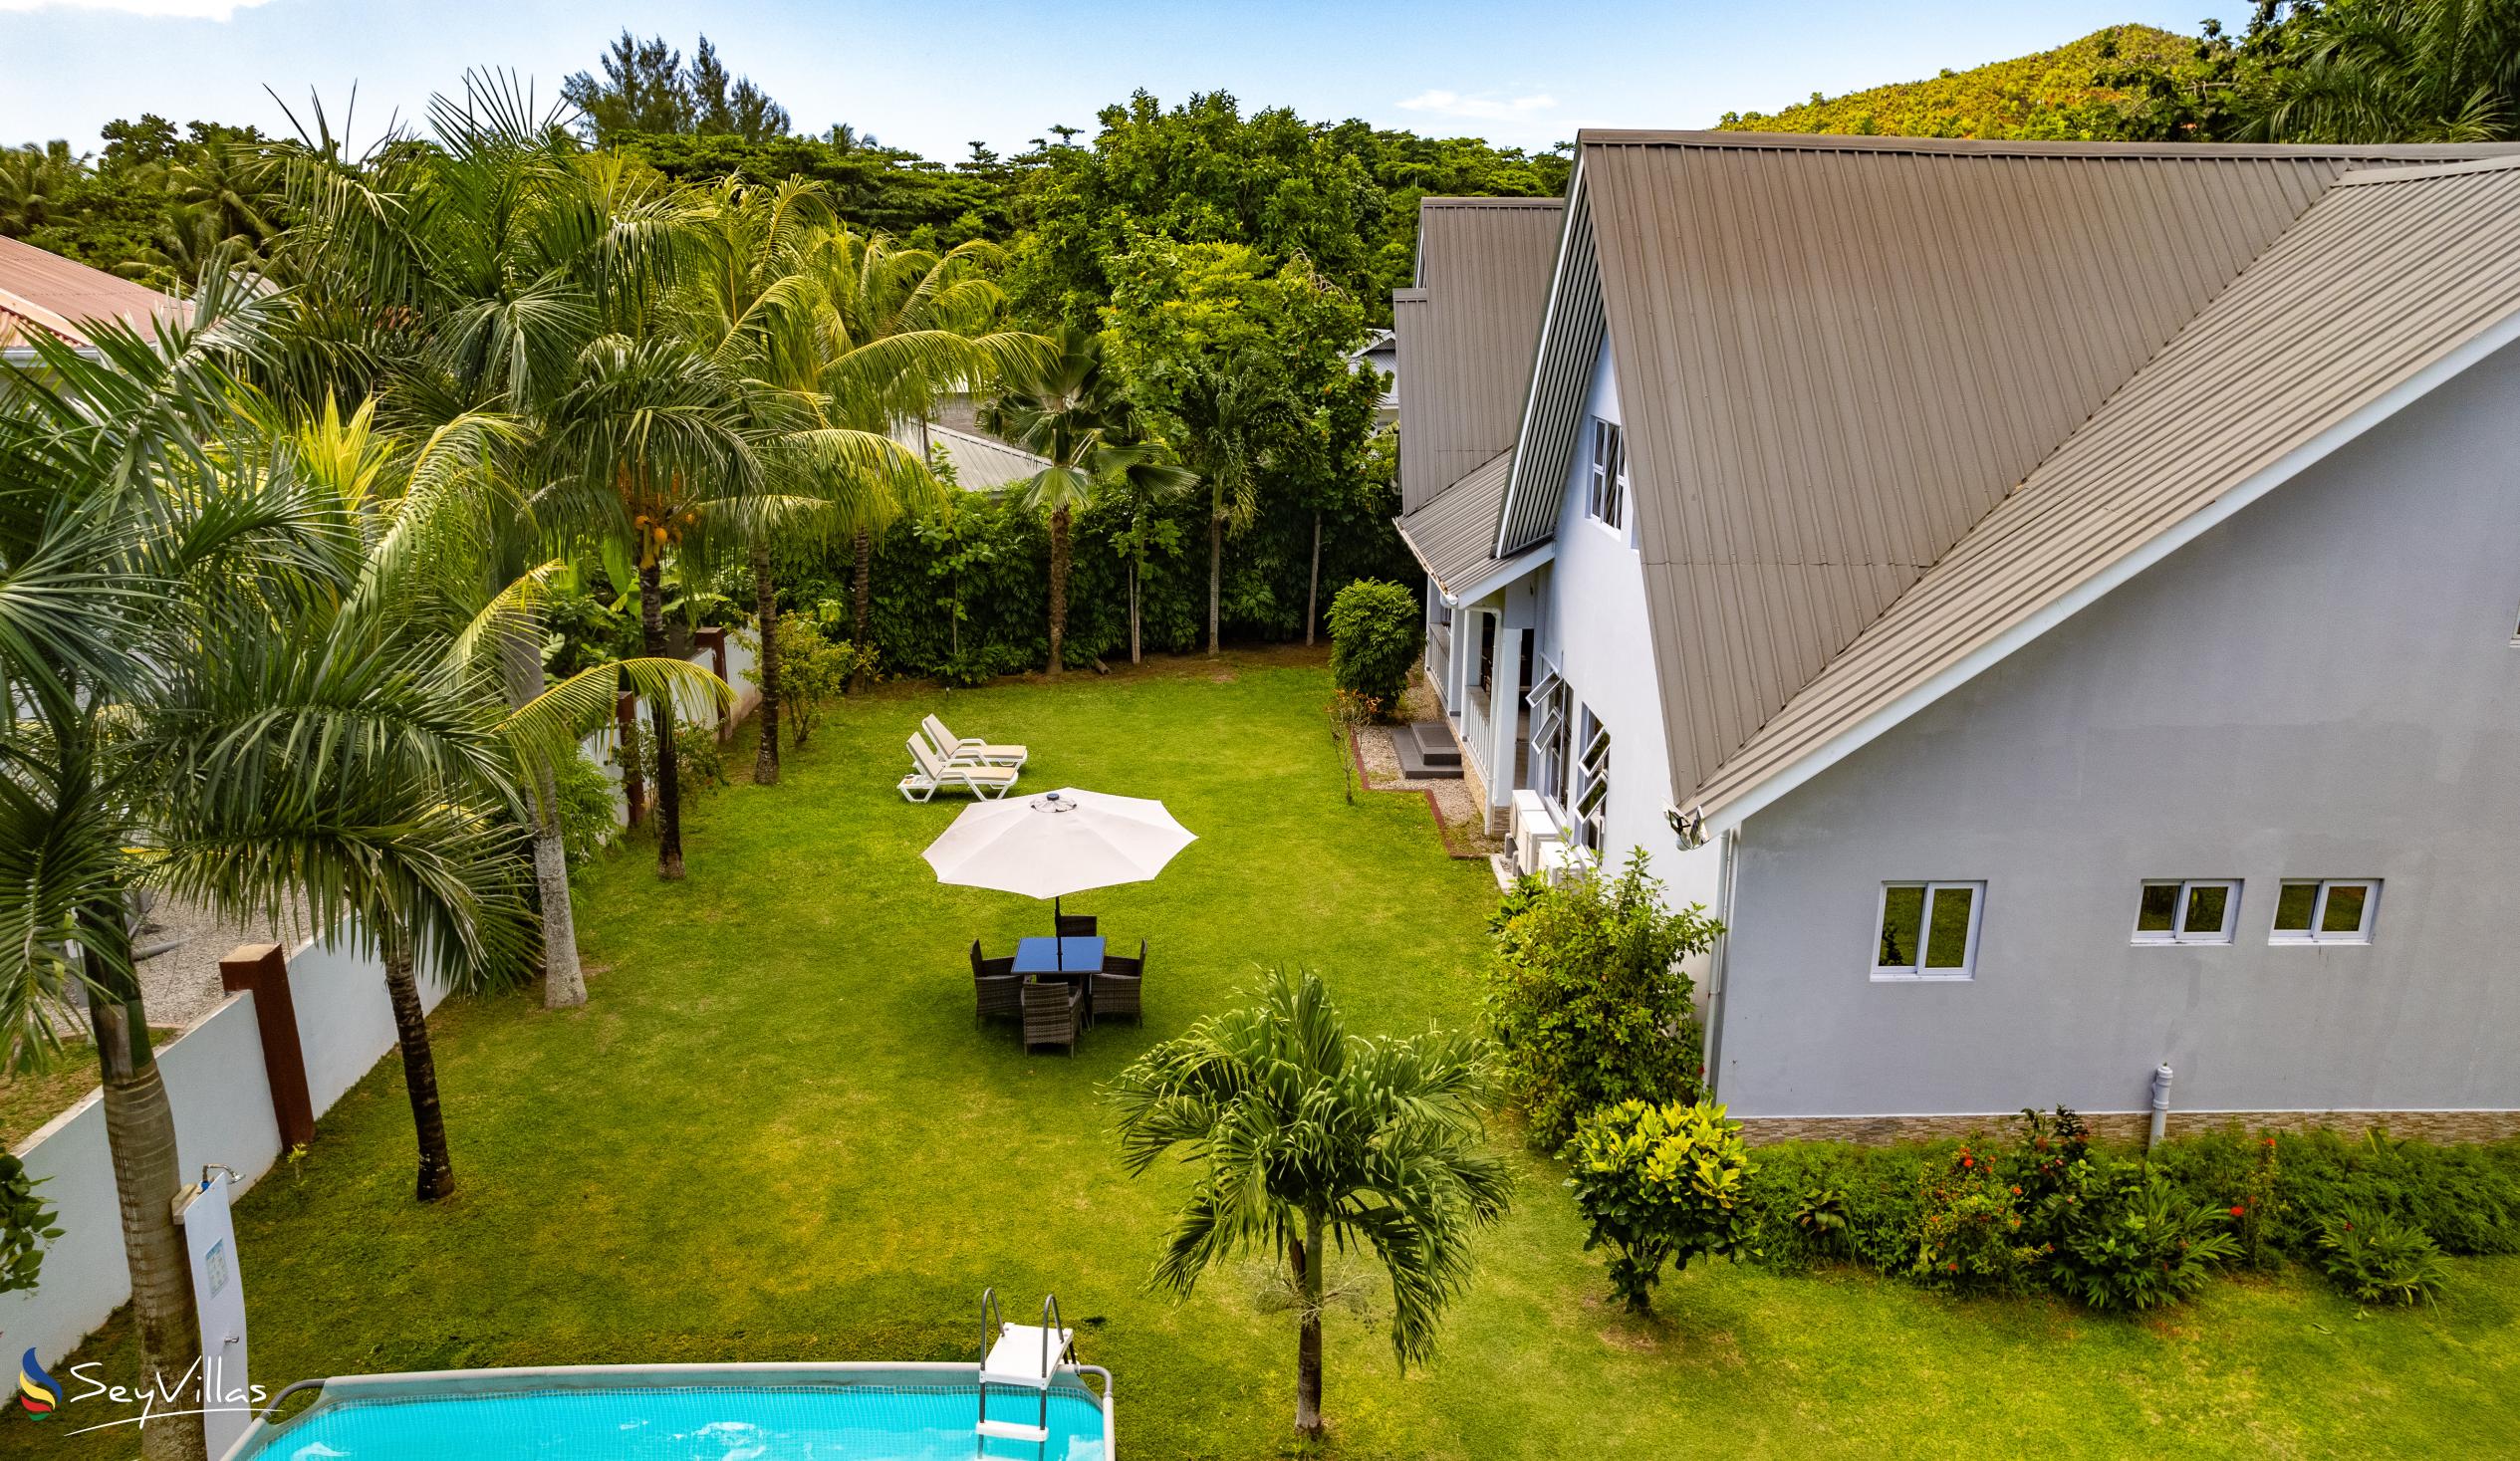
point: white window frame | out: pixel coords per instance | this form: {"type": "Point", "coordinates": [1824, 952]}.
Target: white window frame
{"type": "Point", "coordinates": [2178, 932]}
{"type": "Point", "coordinates": [1918, 973]}
{"type": "Point", "coordinates": [2319, 911]}
{"type": "Point", "coordinates": [1552, 732]}
{"type": "Point", "coordinates": [1590, 829]}
{"type": "Point", "coordinates": [1606, 494]}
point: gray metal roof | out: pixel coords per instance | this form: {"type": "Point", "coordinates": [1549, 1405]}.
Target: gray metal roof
{"type": "Point", "coordinates": [1453, 535]}
{"type": "Point", "coordinates": [1836, 356]}
{"type": "Point", "coordinates": [2388, 275]}
{"type": "Point", "coordinates": [1466, 333]}
{"type": "Point", "coordinates": [981, 463]}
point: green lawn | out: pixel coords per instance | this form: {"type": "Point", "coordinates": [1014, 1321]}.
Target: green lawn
{"type": "Point", "coordinates": [776, 1135]}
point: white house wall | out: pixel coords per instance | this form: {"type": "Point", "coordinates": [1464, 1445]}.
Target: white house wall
{"type": "Point", "coordinates": [1594, 629]}
{"type": "Point", "coordinates": [2327, 685]}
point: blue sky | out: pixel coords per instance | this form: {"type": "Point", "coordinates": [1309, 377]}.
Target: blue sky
{"type": "Point", "coordinates": [935, 75]}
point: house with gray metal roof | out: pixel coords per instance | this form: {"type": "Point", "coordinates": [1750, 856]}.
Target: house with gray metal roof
{"type": "Point", "coordinates": [2058, 603]}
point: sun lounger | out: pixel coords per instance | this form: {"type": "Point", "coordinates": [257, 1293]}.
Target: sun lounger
{"type": "Point", "coordinates": [960, 752]}
{"type": "Point", "coordinates": [930, 774]}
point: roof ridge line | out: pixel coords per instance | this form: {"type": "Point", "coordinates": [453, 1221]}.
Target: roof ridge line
{"type": "Point", "coordinates": [2425, 172]}
{"type": "Point", "coordinates": [1790, 141]}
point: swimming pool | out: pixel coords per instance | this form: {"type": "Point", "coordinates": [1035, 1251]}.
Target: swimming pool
{"type": "Point", "coordinates": [755, 1412]}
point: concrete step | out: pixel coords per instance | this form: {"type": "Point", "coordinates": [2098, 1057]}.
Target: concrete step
{"type": "Point", "coordinates": [1434, 742]}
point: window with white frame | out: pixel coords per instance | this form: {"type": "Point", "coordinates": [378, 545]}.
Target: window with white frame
{"type": "Point", "coordinates": [1549, 730]}
{"type": "Point", "coordinates": [1929, 931]}
{"type": "Point", "coordinates": [1605, 498]}
{"type": "Point", "coordinates": [1588, 794]}
{"type": "Point", "coordinates": [2326, 910]}
{"type": "Point", "coordinates": [2195, 910]}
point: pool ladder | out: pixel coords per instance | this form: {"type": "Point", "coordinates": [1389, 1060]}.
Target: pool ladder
{"type": "Point", "coordinates": [1019, 1356]}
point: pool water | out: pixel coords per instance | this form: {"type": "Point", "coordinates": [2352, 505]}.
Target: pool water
{"type": "Point", "coordinates": [848, 1422]}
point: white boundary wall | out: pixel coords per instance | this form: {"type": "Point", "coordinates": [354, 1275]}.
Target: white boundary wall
{"type": "Point", "coordinates": [742, 658]}
{"type": "Point", "coordinates": [221, 1095]}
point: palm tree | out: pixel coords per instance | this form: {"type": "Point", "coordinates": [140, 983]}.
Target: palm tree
{"type": "Point", "coordinates": [461, 279]}
{"type": "Point", "coordinates": [650, 437]}
{"type": "Point", "coordinates": [2390, 70]}
{"type": "Point", "coordinates": [889, 329]}
{"type": "Point", "coordinates": [1225, 413]}
{"type": "Point", "coordinates": [1305, 1138]}
{"type": "Point", "coordinates": [136, 518]}
{"type": "Point", "coordinates": [1067, 409]}
{"type": "Point", "coordinates": [845, 334]}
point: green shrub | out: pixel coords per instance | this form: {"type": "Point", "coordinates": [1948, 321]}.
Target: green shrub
{"type": "Point", "coordinates": [589, 820]}
{"type": "Point", "coordinates": [2238, 1174]}
{"type": "Point", "coordinates": [2117, 1236]}
{"type": "Point", "coordinates": [1377, 632]}
{"type": "Point", "coordinates": [699, 762]}
{"type": "Point", "coordinates": [26, 1226]}
{"type": "Point", "coordinates": [1814, 1202]}
{"type": "Point", "coordinates": [1969, 1233]}
{"type": "Point", "coordinates": [2466, 1198]}
{"type": "Point", "coordinates": [813, 668]}
{"type": "Point", "coordinates": [2381, 1258]}
{"type": "Point", "coordinates": [1659, 1184]}
{"type": "Point", "coordinates": [1587, 1001]}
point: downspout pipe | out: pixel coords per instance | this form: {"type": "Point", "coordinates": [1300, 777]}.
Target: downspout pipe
{"type": "Point", "coordinates": [2161, 1106]}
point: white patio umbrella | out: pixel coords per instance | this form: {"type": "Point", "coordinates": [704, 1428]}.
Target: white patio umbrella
{"type": "Point", "coordinates": [1059, 842]}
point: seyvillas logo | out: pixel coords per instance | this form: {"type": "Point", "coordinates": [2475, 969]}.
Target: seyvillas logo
{"type": "Point", "coordinates": [36, 1391]}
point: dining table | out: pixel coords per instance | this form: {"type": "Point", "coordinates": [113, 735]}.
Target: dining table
{"type": "Point", "coordinates": [1059, 958]}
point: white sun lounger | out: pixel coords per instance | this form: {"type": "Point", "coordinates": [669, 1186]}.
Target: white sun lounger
{"type": "Point", "coordinates": [930, 773]}
{"type": "Point", "coordinates": [960, 752]}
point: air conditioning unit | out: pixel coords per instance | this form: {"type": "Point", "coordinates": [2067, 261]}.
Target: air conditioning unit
{"type": "Point", "coordinates": [1560, 861]}
{"type": "Point", "coordinates": [1534, 833]}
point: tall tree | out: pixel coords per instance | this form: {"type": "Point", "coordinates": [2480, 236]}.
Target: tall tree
{"type": "Point", "coordinates": [648, 439]}
{"type": "Point", "coordinates": [1307, 1139]}
{"type": "Point", "coordinates": [136, 513]}
{"type": "Point", "coordinates": [646, 88]}
{"type": "Point", "coordinates": [2384, 71]}
{"type": "Point", "coordinates": [1067, 409]}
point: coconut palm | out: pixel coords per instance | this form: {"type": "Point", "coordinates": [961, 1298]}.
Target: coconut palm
{"type": "Point", "coordinates": [840, 335]}
{"type": "Point", "coordinates": [2391, 70]}
{"type": "Point", "coordinates": [889, 329]}
{"type": "Point", "coordinates": [1225, 414]}
{"type": "Point", "coordinates": [1067, 409]}
{"type": "Point", "coordinates": [650, 438]}
{"type": "Point", "coordinates": [135, 517]}
{"type": "Point", "coordinates": [1305, 1139]}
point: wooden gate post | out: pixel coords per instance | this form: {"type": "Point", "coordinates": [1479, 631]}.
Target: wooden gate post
{"type": "Point", "coordinates": [264, 969]}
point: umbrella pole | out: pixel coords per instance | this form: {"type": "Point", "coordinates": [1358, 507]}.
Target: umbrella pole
{"type": "Point", "coordinates": [1058, 944]}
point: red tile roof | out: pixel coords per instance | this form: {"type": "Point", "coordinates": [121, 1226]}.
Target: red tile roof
{"type": "Point", "coordinates": [44, 291]}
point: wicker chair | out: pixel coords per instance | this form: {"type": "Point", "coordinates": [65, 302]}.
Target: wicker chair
{"type": "Point", "coordinates": [1052, 1008]}
{"type": "Point", "coordinates": [1116, 986]}
{"type": "Point", "coordinates": [1075, 926]}
{"type": "Point", "coordinates": [997, 987]}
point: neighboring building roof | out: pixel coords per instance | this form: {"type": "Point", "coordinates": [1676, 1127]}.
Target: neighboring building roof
{"type": "Point", "coordinates": [1452, 535]}
{"type": "Point", "coordinates": [43, 292]}
{"type": "Point", "coordinates": [981, 463]}
{"type": "Point", "coordinates": [2391, 282]}
{"type": "Point", "coordinates": [1836, 356]}
{"type": "Point", "coordinates": [1468, 331]}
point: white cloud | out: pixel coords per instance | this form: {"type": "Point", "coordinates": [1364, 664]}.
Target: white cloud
{"type": "Point", "coordinates": [1486, 107]}
{"type": "Point", "coordinates": [184, 9]}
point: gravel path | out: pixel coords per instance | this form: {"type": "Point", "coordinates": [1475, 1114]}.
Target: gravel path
{"type": "Point", "coordinates": [1457, 800]}
{"type": "Point", "coordinates": [181, 987]}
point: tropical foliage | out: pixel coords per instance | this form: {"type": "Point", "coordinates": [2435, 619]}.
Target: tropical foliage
{"type": "Point", "coordinates": [1309, 1141]}
{"type": "Point", "coordinates": [1587, 1000]}
{"type": "Point", "coordinates": [1658, 1186]}
{"type": "Point", "coordinates": [1376, 632]}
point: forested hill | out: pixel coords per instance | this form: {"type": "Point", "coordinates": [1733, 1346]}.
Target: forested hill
{"type": "Point", "coordinates": [2059, 94]}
